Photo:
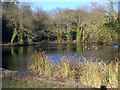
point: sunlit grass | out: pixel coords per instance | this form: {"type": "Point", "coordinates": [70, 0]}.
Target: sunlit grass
{"type": "Point", "coordinates": [91, 73]}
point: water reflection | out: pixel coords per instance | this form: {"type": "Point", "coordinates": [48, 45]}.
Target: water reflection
{"type": "Point", "coordinates": [68, 48]}
{"type": "Point", "coordinates": [59, 48]}
{"type": "Point", "coordinates": [14, 58]}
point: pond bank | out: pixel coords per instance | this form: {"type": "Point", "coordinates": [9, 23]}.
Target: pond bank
{"type": "Point", "coordinates": [27, 81]}
{"type": "Point", "coordinates": [55, 42]}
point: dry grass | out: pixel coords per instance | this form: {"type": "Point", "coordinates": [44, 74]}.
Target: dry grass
{"type": "Point", "coordinates": [88, 72]}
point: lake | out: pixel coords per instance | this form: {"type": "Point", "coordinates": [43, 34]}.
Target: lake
{"type": "Point", "coordinates": [14, 58]}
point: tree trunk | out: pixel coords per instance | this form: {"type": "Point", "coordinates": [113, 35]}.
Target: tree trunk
{"type": "Point", "coordinates": [79, 33]}
{"type": "Point", "coordinates": [14, 33]}
{"type": "Point", "coordinates": [20, 36]}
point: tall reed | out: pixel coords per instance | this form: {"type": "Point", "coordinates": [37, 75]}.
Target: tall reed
{"type": "Point", "coordinates": [87, 72]}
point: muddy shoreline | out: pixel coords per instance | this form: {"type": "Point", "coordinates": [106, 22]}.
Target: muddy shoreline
{"type": "Point", "coordinates": [56, 42]}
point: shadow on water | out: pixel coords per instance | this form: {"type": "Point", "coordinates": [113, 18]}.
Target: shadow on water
{"type": "Point", "coordinates": [14, 58]}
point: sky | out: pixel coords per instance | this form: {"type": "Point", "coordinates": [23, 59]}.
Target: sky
{"type": "Point", "coordinates": [48, 5]}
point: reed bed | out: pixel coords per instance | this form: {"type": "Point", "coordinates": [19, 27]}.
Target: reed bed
{"type": "Point", "coordinates": [91, 73]}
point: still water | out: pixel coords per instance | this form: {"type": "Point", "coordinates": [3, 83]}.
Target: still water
{"type": "Point", "coordinates": [14, 58]}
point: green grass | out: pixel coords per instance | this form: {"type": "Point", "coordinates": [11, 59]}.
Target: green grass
{"type": "Point", "coordinates": [90, 73]}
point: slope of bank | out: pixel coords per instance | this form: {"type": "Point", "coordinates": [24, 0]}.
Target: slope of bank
{"type": "Point", "coordinates": [11, 79]}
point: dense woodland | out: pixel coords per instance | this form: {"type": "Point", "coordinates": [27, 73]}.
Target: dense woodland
{"type": "Point", "coordinates": [22, 25]}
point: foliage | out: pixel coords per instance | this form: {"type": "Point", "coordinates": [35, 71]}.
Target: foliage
{"type": "Point", "coordinates": [22, 25]}
{"type": "Point", "coordinates": [18, 20]}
